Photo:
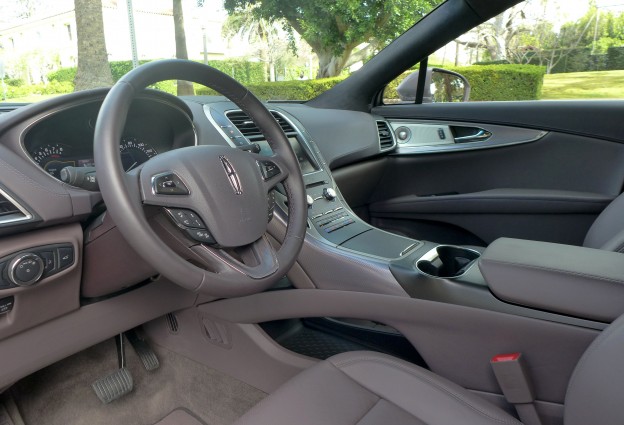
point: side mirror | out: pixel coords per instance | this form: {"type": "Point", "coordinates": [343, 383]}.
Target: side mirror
{"type": "Point", "coordinates": [441, 85]}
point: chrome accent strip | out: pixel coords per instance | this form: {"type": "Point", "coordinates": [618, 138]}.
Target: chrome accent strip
{"type": "Point", "coordinates": [27, 215]}
{"type": "Point", "coordinates": [501, 135]}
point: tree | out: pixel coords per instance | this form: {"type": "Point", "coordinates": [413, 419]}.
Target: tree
{"type": "Point", "coordinates": [259, 31]}
{"type": "Point", "coordinates": [185, 88]}
{"type": "Point", "coordinates": [93, 67]}
{"type": "Point", "coordinates": [335, 28]}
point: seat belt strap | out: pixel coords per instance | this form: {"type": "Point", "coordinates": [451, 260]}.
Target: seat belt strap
{"type": "Point", "coordinates": [513, 378]}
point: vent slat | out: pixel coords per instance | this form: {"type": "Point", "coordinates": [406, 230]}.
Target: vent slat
{"type": "Point", "coordinates": [386, 138]}
{"type": "Point", "coordinates": [246, 126]}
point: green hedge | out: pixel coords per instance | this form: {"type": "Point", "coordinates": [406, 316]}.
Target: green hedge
{"type": "Point", "coordinates": [488, 82]}
{"type": "Point", "coordinates": [493, 82]}
{"type": "Point", "coordinates": [504, 82]}
{"type": "Point", "coordinates": [53, 87]}
{"type": "Point", "coordinates": [615, 58]}
{"type": "Point", "coordinates": [245, 72]}
{"type": "Point", "coordinates": [286, 90]}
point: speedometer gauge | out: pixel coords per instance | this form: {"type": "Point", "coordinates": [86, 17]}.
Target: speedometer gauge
{"type": "Point", "coordinates": [135, 152]}
{"type": "Point", "coordinates": [53, 158]}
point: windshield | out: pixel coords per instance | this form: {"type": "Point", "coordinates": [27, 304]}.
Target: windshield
{"type": "Point", "coordinates": [52, 47]}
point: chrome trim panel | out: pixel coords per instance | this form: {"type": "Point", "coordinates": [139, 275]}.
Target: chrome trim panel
{"type": "Point", "coordinates": [24, 211]}
{"type": "Point", "coordinates": [500, 136]}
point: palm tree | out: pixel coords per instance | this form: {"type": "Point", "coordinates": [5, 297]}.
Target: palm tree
{"type": "Point", "coordinates": [258, 31]}
{"type": "Point", "coordinates": [93, 67]}
{"type": "Point", "coordinates": [184, 87]}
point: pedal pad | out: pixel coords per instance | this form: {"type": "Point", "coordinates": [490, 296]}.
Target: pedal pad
{"type": "Point", "coordinates": [144, 351]}
{"type": "Point", "coordinates": [113, 386]}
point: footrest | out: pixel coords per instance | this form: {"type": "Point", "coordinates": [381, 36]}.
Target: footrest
{"type": "Point", "coordinates": [113, 386]}
{"type": "Point", "coordinates": [144, 351]}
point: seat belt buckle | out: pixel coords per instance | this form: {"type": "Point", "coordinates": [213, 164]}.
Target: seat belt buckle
{"type": "Point", "coordinates": [512, 376]}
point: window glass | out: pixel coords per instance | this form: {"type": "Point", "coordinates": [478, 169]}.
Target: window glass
{"type": "Point", "coordinates": [281, 49]}
{"type": "Point", "coordinates": [537, 50]}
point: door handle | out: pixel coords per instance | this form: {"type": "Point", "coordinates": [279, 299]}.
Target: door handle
{"type": "Point", "coordinates": [480, 136]}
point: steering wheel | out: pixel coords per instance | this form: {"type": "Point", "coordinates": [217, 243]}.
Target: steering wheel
{"type": "Point", "coordinates": [227, 189]}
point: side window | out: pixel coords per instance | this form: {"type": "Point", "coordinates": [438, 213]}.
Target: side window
{"type": "Point", "coordinates": [536, 50]}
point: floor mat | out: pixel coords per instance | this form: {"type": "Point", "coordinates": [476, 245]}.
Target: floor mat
{"type": "Point", "coordinates": [180, 417]}
{"type": "Point", "coordinates": [61, 394]}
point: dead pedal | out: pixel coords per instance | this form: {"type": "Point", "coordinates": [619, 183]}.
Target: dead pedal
{"type": "Point", "coordinates": [113, 386]}
{"type": "Point", "coordinates": [144, 351]}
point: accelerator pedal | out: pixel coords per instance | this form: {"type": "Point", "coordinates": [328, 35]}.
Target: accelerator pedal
{"type": "Point", "coordinates": [116, 384]}
{"type": "Point", "coordinates": [143, 350]}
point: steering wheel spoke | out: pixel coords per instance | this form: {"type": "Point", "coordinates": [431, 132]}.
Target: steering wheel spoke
{"type": "Point", "coordinates": [257, 260]}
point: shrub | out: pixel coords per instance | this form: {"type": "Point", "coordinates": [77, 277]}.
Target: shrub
{"type": "Point", "coordinates": [493, 82]}
{"type": "Point", "coordinates": [53, 87]}
{"type": "Point", "coordinates": [286, 90]}
{"type": "Point", "coordinates": [615, 58]}
{"type": "Point", "coordinates": [243, 71]}
{"type": "Point", "coordinates": [504, 82]}
{"type": "Point", "coordinates": [63, 75]}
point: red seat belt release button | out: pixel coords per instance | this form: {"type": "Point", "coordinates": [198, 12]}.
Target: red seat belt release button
{"type": "Point", "coordinates": [513, 378]}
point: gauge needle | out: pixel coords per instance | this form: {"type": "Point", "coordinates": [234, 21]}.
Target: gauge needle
{"type": "Point", "coordinates": [132, 166]}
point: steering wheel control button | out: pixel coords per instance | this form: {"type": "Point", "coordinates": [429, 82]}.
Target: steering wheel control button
{"type": "Point", "coordinates": [185, 218]}
{"type": "Point", "coordinates": [271, 204]}
{"type": "Point", "coordinates": [268, 169]}
{"type": "Point", "coordinates": [329, 193]}
{"type": "Point", "coordinates": [201, 235]}
{"type": "Point", "coordinates": [25, 269]}
{"type": "Point", "coordinates": [66, 257]}
{"type": "Point", "coordinates": [169, 184]}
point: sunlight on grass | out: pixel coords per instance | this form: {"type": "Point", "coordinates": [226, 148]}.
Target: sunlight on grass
{"type": "Point", "coordinates": [584, 85]}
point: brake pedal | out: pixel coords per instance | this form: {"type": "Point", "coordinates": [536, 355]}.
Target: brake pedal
{"type": "Point", "coordinates": [113, 386]}
{"type": "Point", "coordinates": [143, 350]}
{"type": "Point", "coordinates": [117, 384]}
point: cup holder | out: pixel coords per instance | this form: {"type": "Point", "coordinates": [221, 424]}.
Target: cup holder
{"type": "Point", "coordinates": [447, 261]}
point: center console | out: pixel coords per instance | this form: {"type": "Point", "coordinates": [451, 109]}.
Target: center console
{"type": "Point", "coordinates": [344, 252]}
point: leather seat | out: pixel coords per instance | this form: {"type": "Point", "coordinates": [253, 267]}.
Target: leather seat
{"type": "Point", "coordinates": [367, 388]}
{"type": "Point", "coordinates": [607, 231]}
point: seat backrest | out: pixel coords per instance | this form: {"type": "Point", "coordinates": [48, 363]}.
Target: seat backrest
{"type": "Point", "coordinates": [596, 391]}
{"type": "Point", "coordinates": [607, 232]}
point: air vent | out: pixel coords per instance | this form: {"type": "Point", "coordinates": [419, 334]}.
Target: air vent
{"type": "Point", "coordinates": [247, 127]}
{"type": "Point", "coordinates": [10, 210]}
{"type": "Point", "coordinates": [386, 137]}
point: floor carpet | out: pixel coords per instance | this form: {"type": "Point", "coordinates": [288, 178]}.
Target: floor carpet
{"type": "Point", "coordinates": [61, 394]}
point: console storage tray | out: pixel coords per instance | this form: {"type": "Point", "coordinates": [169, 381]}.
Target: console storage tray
{"type": "Point", "coordinates": [580, 282]}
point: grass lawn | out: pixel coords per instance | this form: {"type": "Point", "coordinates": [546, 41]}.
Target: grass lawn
{"type": "Point", "coordinates": [584, 85]}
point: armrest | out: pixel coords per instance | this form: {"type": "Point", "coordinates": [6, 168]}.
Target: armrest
{"type": "Point", "coordinates": [576, 281]}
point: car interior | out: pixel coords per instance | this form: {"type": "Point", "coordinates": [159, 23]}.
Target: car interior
{"type": "Point", "coordinates": [335, 261]}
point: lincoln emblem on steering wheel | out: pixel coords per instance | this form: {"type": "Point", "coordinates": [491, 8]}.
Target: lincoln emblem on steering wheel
{"type": "Point", "coordinates": [232, 176]}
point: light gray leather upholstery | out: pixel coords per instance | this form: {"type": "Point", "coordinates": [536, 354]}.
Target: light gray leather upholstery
{"type": "Point", "coordinates": [567, 279]}
{"type": "Point", "coordinates": [596, 390]}
{"type": "Point", "coordinates": [367, 388]}
{"type": "Point", "coordinates": [607, 232]}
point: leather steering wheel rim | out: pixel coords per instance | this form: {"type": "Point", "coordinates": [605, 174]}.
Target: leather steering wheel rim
{"type": "Point", "coordinates": [126, 193]}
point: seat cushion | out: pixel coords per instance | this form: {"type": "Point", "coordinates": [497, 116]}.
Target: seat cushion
{"type": "Point", "coordinates": [368, 388]}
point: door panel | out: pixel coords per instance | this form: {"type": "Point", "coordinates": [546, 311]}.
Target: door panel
{"type": "Point", "coordinates": [549, 186]}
